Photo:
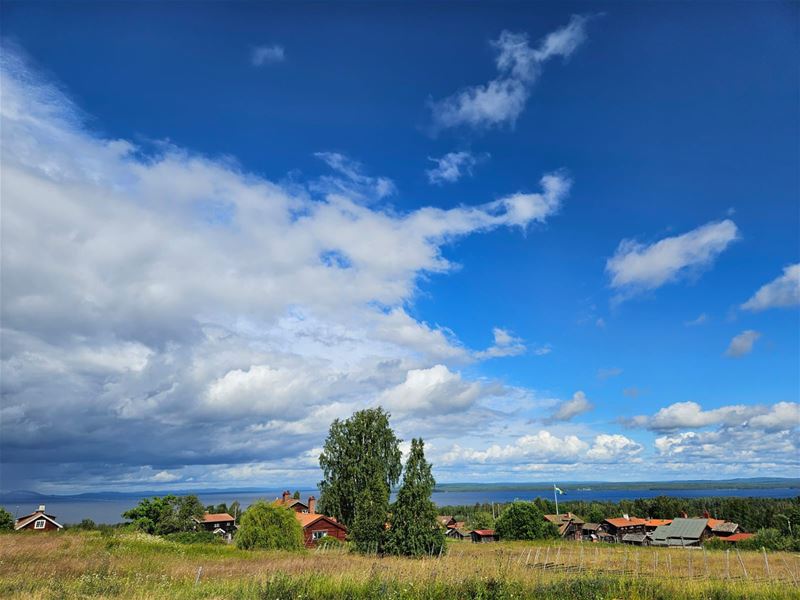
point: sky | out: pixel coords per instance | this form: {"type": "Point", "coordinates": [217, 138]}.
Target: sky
{"type": "Point", "coordinates": [558, 241]}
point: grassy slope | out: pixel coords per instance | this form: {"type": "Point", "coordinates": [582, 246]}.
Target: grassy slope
{"type": "Point", "coordinates": [73, 565]}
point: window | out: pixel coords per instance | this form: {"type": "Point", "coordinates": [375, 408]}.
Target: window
{"type": "Point", "coordinates": [318, 535]}
{"type": "Point", "coordinates": [39, 524]}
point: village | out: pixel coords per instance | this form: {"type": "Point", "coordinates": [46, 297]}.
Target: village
{"type": "Point", "coordinates": [683, 531]}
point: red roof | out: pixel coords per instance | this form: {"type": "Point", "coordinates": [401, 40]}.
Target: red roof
{"type": "Point", "coordinates": [715, 522]}
{"type": "Point", "coordinates": [307, 519]}
{"type": "Point", "coordinates": [657, 522]}
{"type": "Point", "coordinates": [216, 517]}
{"type": "Point", "coordinates": [623, 522]}
{"type": "Point", "coordinates": [483, 531]}
{"type": "Point", "coordinates": [736, 537]}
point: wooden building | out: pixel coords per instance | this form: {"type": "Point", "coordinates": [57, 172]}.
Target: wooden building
{"type": "Point", "coordinates": [619, 526]}
{"type": "Point", "coordinates": [220, 523]}
{"type": "Point", "coordinates": [315, 526]}
{"type": "Point", "coordinates": [480, 536]}
{"type": "Point", "coordinates": [570, 526]}
{"type": "Point", "coordinates": [37, 521]}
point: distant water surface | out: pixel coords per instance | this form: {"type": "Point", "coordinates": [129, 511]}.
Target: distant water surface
{"type": "Point", "coordinates": [110, 511]}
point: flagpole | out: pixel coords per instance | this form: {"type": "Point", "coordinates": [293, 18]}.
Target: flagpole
{"type": "Point", "coordinates": [555, 497]}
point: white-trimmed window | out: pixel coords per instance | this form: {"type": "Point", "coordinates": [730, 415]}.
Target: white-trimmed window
{"type": "Point", "coordinates": [39, 524]}
{"type": "Point", "coordinates": [318, 535]}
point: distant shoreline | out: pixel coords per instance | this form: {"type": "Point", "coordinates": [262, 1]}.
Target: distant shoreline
{"type": "Point", "coordinates": [441, 488]}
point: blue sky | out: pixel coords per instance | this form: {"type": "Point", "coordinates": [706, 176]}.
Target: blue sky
{"type": "Point", "coordinates": [559, 241]}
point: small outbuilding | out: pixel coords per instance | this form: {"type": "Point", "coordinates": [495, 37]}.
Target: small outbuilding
{"type": "Point", "coordinates": [457, 533]}
{"type": "Point", "coordinates": [37, 521]}
{"type": "Point", "coordinates": [480, 536]}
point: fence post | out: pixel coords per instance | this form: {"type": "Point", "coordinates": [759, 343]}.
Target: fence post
{"type": "Point", "coordinates": [741, 562]}
{"type": "Point", "coordinates": [197, 577]}
{"type": "Point", "coordinates": [728, 564]}
{"type": "Point", "coordinates": [766, 562]}
{"type": "Point", "coordinates": [786, 564]}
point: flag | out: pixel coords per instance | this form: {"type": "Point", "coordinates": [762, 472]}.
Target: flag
{"type": "Point", "coordinates": [558, 489]}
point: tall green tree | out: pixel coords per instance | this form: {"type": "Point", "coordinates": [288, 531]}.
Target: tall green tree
{"type": "Point", "coordinates": [481, 520]}
{"type": "Point", "coordinates": [357, 451]}
{"type": "Point", "coordinates": [167, 514]}
{"type": "Point", "coordinates": [524, 521]}
{"type": "Point", "coordinates": [368, 531]}
{"type": "Point", "coordinates": [414, 529]}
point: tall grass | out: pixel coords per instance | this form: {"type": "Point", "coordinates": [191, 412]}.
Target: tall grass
{"type": "Point", "coordinates": [80, 565]}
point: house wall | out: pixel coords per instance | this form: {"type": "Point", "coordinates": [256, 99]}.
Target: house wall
{"type": "Point", "coordinates": [322, 525]}
{"type": "Point", "coordinates": [48, 526]}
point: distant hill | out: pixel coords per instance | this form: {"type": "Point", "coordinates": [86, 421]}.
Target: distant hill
{"type": "Point", "coordinates": [28, 497]}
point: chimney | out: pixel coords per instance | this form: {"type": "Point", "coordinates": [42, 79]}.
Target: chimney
{"type": "Point", "coordinates": [285, 496]}
{"type": "Point", "coordinates": [312, 505]}
{"type": "Point", "coordinates": [706, 515]}
{"type": "Point", "coordinates": [626, 517]}
{"type": "Point", "coordinates": [684, 515]}
{"type": "Point", "coordinates": [41, 508]}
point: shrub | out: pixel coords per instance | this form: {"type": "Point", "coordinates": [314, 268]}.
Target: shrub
{"type": "Point", "coordinates": [269, 527]}
{"type": "Point", "coordinates": [329, 542]}
{"type": "Point", "coordinates": [6, 520]}
{"type": "Point", "coordinates": [524, 521]}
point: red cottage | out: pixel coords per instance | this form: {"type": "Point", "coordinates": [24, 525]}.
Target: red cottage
{"type": "Point", "coordinates": [37, 521]}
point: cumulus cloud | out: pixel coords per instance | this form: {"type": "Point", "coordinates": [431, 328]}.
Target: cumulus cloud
{"type": "Point", "coordinates": [505, 344]}
{"type": "Point", "coordinates": [568, 409]}
{"type": "Point", "coordinates": [613, 448]}
{"type": "Point", "coordinates": [690, 415]}
{"type": "Point", "coordinates": [742, 343]}
{"type": "Point", "coordinates": [782, 292]}
{"type": "Point", "coordinates": [451, 167]}
{"type": "Point", "coordinates": [637, 267]}
{"type": "Point", "coordinates": [163, 308]}
{"type": "Point", "coordinates": [264, 55]}
{"type": "Point", "coordinates": [541, 446]}
{"type": "Point", "coordinates": [519, 65]}
{"type": "Point", "coordinates": [435, 390]}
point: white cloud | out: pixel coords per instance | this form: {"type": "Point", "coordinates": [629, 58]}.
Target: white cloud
{"type": "Point", "coordinates": [263, 55]}
{"type": "Point", "coordinates": [690, 415]}
{"type": "Point", "coordinates": [700, 320]}
{"type": "Point", "coordinates": [451, 167]}
{"type": "Point", "coordinates": [207, 315]}
{"type": "Point", "coordinates": [613, 448]}
{"type": "Point", "coordinates": [782, 292]}
{"type": "Point", "coordinates": [742, 343]}
{"type": "Point", "coordinates": [568, 409]}
{"type": "Point", "coordinates": [503, 99]}
{"type": "Point", "coordinates": [541, 446]}
{"type": "Point", "coordinates": [351, 180]}
{"type": "Point", "coordinates": [637, 267]}
{"type": "Point", "coordinates": [436, 390]}
{"type": "Point", "coordinates": [165, 477]}
{"type": "Point", "coordinates": [505, 344]}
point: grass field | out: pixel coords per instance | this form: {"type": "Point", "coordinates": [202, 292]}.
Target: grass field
{"type": "Point", "coordinates": [79, 565]}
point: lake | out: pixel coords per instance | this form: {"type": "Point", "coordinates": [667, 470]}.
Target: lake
{"type": "Point", "coordinates": [71, 510]}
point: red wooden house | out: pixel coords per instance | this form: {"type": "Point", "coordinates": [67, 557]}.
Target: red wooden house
{"type": "Point", "coordinates": [315, 526]}
{"type": "Point", "coordinates": [37, 521]}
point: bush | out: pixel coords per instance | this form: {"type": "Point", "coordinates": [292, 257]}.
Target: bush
{"type": "Point", "coordinates": [269, 527]}
{"type": "Point", "coordinates": [6, 520]}
{"type": "Point", "coordinates": [329, 542]}
{"type": "Point", "coordinates": [194, 537]}
{"type": "Point", "coordinates": [524, 521]}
